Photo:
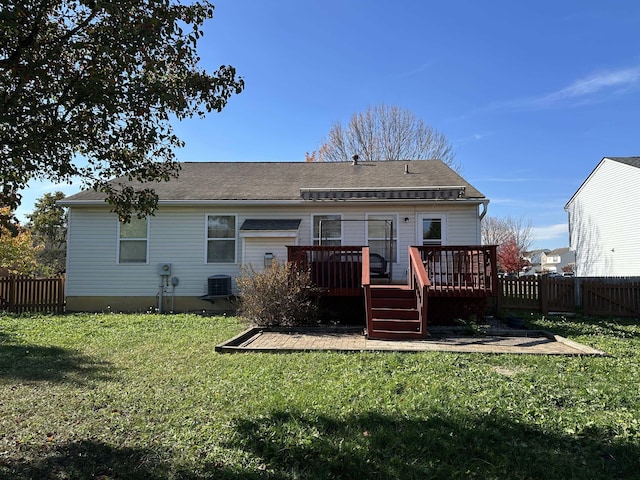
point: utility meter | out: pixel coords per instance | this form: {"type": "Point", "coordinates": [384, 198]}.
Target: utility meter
{"type": "Point", "coordinates": [164, 269]}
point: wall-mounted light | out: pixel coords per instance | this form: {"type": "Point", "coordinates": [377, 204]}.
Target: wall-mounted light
{"type": "Point", "coordinates": [268, 259]}
{"type": "Point", "coordinates": [406, 219]}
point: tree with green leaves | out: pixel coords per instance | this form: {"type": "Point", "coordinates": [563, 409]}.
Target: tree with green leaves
{"type": "Point", "coordinates": [88, 89]}
{"type": "Point", "coordinates": [384, 132]}
{"type": "Point", "coordinates": [48, 226]}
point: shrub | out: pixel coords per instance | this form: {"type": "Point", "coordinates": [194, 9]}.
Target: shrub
{"type": "Point", "coordinates": [281, 295]}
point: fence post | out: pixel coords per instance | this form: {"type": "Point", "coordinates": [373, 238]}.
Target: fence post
{"type": "Point", "coordinates": [12, 293]}
{"type": "Point", "coordinates": [61, 293]}
{"type": "Point", "coordinates": [543, 292]}
{"type": "Point", "coordinates": [579, 295]}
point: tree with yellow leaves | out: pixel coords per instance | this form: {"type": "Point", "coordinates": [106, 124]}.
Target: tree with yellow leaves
{"type": "Point", "coordinates": [17, 252]}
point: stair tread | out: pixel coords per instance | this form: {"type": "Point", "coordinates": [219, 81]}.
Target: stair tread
{"type": "Point", "coordinates": [399, 332]}
{"type": "Point", "coordinates": [400, 295]}
{"type": "Point", "coordinates": [396, 319]}
{"type": "Point", "coordinates": [386, 335]}
{"type": "Point", "coordinates": [397, 327]}
{"type": "Point", "coordinates": [400, 309]}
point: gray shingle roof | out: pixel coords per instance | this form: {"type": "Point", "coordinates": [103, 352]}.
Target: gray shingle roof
{"type": "Point", "coordinates": [633, 161]}
{"type": "Point", "coordinates": [200, 181]}
{"type": "Point", "coordinates": [261, 224]}
{"type": "Point", "coordinates": [558, 251]}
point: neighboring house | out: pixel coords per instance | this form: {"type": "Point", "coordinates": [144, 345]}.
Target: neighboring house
{"type": "Point", "coordinates": [534, 259]}
{"type": "Point", "coordinates": [216, 218]}
{"type": "Point", "coordinates": [555, 261]}
{"type": "Point", "coordinates": [604, 230]}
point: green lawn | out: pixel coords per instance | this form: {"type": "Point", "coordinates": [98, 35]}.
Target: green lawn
{"type": "Point", "coordinates": [146, 396]}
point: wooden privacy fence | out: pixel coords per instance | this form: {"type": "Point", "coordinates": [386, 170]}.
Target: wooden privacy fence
{"type": "Point", "coordinates": [618, 299]}
{"type": "Point", "coordinates": [28, 294]}
{"type": "Point", "coordinates": [596, 296]}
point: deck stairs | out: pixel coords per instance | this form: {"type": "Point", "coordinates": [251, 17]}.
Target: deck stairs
{"type": "Point", "coordinates": [394, 313]}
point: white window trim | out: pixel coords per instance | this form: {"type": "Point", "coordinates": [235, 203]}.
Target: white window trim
{"type": "Point", "coordinates": [422, 216]}
{"type": "Point", "coordinates": [313, 238]}
{"type": "Point", "coordinates": [206, 238]}
{"type": "Point", "coordinates": [118, 240]}
{"type": "Point", "coordinates": [395, 230]}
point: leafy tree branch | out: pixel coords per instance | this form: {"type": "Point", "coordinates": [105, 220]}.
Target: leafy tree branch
{"type": "Point", "coordinates": [87, 89]}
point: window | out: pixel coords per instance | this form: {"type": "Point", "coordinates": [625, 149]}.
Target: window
{"type": "Point", "coordinates": [221, 239]}
{"type": "Point", "coordinates": [379, 236]}
{"type": "Point", "coordinates": [331, 229]}
{"type": "Point", "coordinates": [431, 231]}
{"type": "Point", "coordinates": [132, 242]}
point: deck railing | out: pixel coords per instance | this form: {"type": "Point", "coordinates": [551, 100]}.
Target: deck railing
{"type": "Point", "coordinates": [455, 271]}
{"type": "Point", "coordinates": [461, 271]}
{"type": "Point", "coordinates": [337, 270]}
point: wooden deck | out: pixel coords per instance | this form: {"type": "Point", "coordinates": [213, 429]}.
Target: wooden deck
{"type": "Point", "coordinates": [468, 273]}
{"type": "Point", "coordinates": [451, 271]}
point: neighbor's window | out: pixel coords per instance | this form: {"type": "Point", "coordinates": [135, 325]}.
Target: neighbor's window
{"type": "Point", "coordinates": [133, 241]}
{"type": "Point", "coordinates": [221, 239]}
{"type": "Point", "coordinates": [327, 230]}
{"type": "Point", "coordinates": [379, 236]}
{"type": "Point", "coordinates": [431, 231]}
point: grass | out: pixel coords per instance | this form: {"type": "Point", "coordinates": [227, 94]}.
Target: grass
{"type": "Point", "coordinates": [146, 396]}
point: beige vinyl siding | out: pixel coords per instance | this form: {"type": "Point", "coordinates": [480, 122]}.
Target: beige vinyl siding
{"type": "Point", "coordinates": [463, 227]}
{"type": "Point", "coordinates": [604, 227]}
{"type": "Point", "coordinates": [255, 248]}
{"type": "Point", "coordinates": [177, 235]}
{"type": "Point", "coordinates": [92, 267]}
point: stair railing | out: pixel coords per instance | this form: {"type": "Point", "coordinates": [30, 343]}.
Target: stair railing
{"type": "Point", "coordinates": [419, 282]}
{"type": "Point", "coordinates": [366, 285]}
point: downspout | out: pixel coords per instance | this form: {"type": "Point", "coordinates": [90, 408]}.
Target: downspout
{"type": "Point", "coordinates": [484, 204]}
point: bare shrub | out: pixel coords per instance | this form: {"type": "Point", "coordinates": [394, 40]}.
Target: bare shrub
{"type": "Point", "coordinates": [281, 295]}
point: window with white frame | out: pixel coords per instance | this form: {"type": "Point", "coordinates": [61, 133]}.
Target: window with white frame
{"type": "Point", "coordinates": [432, 231]}
{"type": "Point", "coordinates": [327, 230]}
{"type": "Point", "coordinates": [382, 236]}
{"type": "Point", "coordinates": [133, 240]}
{"type": "Point", "coordinates": [221, 238]}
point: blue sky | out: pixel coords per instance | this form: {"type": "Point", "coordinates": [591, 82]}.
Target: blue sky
{"type": "Point", "coordinates": [531, 94]}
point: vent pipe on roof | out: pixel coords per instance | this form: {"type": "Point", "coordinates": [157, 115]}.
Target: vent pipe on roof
{"type": "Point", "coordinates": [406, 168]}
{"type": "Point", "coordinates": [355, 159]}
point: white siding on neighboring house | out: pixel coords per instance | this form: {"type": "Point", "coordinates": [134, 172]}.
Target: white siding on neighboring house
{"type": "Point", "coordinates": [603, 221]}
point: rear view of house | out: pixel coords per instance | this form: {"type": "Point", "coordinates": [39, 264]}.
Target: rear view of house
{"type": "Point", "coordinates": [217, 217]}
{"type": "Point", "coordinates": [603, 219]}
